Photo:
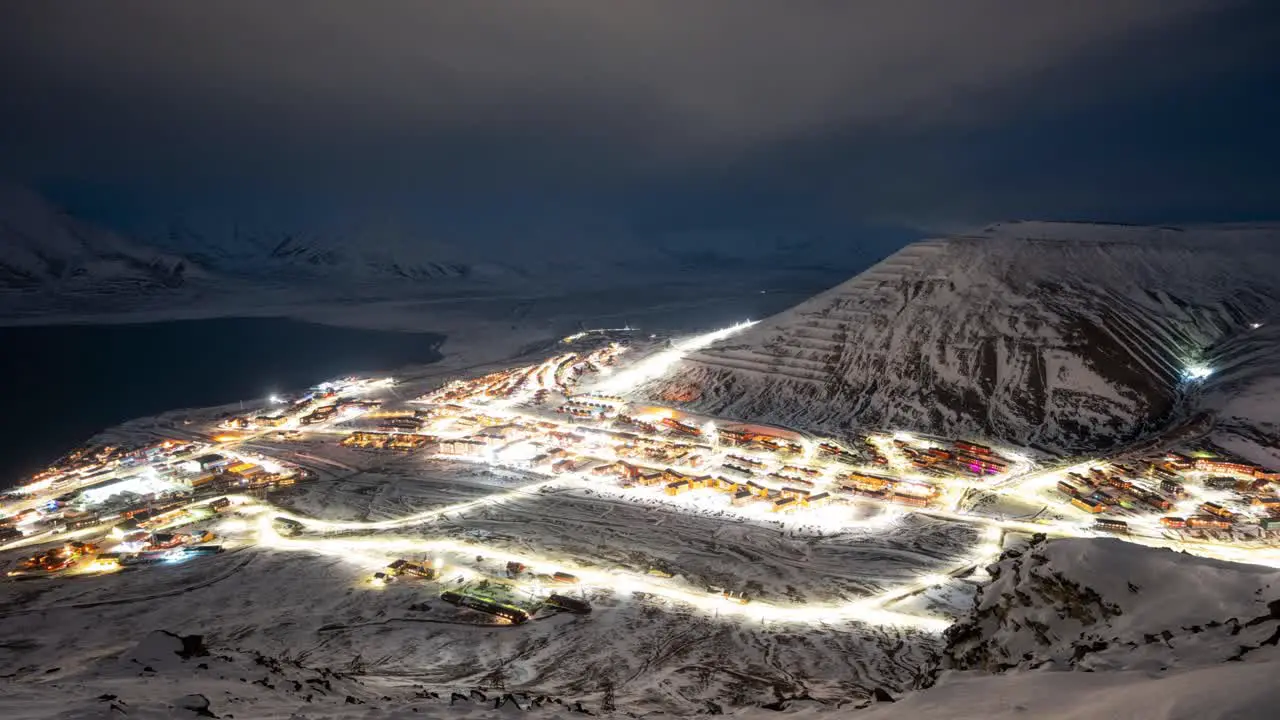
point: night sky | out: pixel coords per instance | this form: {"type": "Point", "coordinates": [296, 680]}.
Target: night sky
{"type": "Point", "coordinates": [493, 122]}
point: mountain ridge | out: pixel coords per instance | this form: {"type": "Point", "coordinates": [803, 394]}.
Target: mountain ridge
{"type": "Point", "coordinates": [42, 246]}
{"type": "Point", "coordinates": [1059, 335]}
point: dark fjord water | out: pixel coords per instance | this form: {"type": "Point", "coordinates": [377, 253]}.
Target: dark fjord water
{"type": "Point", "coordinates": [61, 384]}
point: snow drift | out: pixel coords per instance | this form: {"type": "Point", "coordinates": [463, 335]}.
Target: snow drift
{"type": "Point", "coordinates": [1060, 335]}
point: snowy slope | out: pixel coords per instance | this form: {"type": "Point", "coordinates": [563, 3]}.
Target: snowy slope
{"type": "Point", "coordinates": [1110, 605]}
{"type": "Point", "coordinates": [1061, 335]}
{"type": "Point", "coordinates": [44, 248]}
{"type": "Point", "coordinates": [1244, 393]}
{"type": "Point", "coordinates": [1107, 629]}
{"type": "Point", "coordinates": [1080, 629]}
{"type": "Point", "coordinates": [163, 675]}
{"type": "Point", "coordinates": [1235, 691]}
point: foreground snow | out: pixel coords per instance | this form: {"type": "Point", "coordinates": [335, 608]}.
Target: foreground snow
{"type": "Point", "coordinates": [1232, 691]}
{"type": "Point", "coordinates": [1072, 629]}
{"type": "Point", "coordinates": [1110, 605]}
{"type": "Point", "coordinates": [1090, 629]}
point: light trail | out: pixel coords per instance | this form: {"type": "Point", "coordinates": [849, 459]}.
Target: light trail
{"type": "Point", "coordinates": [659, 363]}
{"type": "Point", "coordinates": [373, 552]}
{"type": "Point", "coordinates": [429, 515]}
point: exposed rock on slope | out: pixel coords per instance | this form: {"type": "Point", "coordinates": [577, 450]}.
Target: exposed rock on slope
{"type": "Point", "coordinates": [1067, 336]}
{"type": "Point", "coordinates": [1077, 629]}
{"type": "Point", "coordinates": [1222, 692]}
{"type": "Point", "coordinates": [1112, 605]}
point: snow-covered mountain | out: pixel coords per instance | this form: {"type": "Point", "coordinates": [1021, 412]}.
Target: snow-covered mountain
{"type": "Point", "coordinates": [1061, 335]}
{"type": "Point", "coordinates": [299, 256]}
{"type": "Point", "coordinates": [42, 247]}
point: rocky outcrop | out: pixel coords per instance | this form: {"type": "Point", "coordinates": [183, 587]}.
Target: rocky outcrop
{"type": "Point", "coordinates": [1108, 605]}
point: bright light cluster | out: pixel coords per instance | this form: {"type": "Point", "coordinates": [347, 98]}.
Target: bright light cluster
{"type": "Point", "coordinates": [1197, 372]}
{"type": "Point", "coordinates": [144, 483]}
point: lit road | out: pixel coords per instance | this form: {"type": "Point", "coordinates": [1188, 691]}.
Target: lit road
{"type": "Point", "coordinates": [372, 553]}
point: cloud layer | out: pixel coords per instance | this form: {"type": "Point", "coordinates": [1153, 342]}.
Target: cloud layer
{"type": "Point", "coordinates": [577, 95]}
{"type": "Point", "coordinates": [716, 71]}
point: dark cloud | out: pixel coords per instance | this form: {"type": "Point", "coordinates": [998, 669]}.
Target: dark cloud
{"type": "Point", "coordinates": [713, 71]}
{"type": "Point", "coordinates": [379, 102]}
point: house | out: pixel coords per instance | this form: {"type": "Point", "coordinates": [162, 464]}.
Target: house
{"type": "Point", "coordinates": [1215, 509]}
{"type": "Point", "coordinates": [1207, 522]}
{"type": "Point", "coordinates": [1227, 467]}
{"type": "Point", "coordinates": [819, 500]}
{"type": "Point", "coordinates": [212, 461]}
{"type": "Point", "coordinates": [244, 470]}
{"type": "Point", "coordinates": [461, 446]}
{"type": "Point", "coordinates": [1089, 505]}
{"type": "Point", "coordinates": [125, 528]}
{"type": "Point", "coordinates": [701, 481]}
{"type": "Point", "coordinates": [163, 541]}
{"type": "Point", "coordinates": [673, 476]}
{"type": "Point", "coordinates": [913, 500]}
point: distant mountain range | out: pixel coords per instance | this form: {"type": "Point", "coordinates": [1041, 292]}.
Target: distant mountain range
{"type": "Point", "coordinates": [42, 247]}
{"type": "Point", "coordinates": [250, 254]}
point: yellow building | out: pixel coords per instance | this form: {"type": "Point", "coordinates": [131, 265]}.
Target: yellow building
{"type": "Point", "coordinates": [678, 487]}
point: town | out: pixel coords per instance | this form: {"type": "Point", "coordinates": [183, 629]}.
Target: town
{"type": "Point", "coordinates": [570, 421]}
{"type": "Point", "coordinates": [1191, 493]}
